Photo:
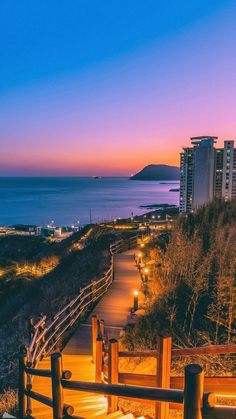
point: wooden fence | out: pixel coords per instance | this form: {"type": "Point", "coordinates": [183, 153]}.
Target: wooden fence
{"type": "Point", "coordinates": [193, 392]}
{"type": "Point", "coordinates": [45, 335]}
{"type": "Point", "coordinates": [107, 370]}
{"type": "Point", "coordinates": [195, 401]}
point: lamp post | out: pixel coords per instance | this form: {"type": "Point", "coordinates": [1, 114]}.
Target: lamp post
{"type": "Point", "coordinates": [146, 274]}
{"type": "Point", "coordinates": [135, 300]}
{"type": "Point", "coordinates": [139, 258]}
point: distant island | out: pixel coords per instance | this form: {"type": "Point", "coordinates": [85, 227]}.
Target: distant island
{"type": "Point", "coordinates": [157, 172]}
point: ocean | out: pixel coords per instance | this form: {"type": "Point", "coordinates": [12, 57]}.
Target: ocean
{"type": "Point", "coordinates": [69, 200]}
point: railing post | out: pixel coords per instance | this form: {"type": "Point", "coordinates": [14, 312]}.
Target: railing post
{"type": "Point", "coordinates": [43, 337]}
{"type": "Point", "coordinates": [94, 336]}
{"type": "Point", "coordinates": [193, 392]}
{"type": "Point", "coordinates": [113, 372]}
{"type": "Point", "coordinates": [22, 384]}
{"type": "Point", "coordinates": [112, 267]}
{"type": "Point", "coordinates": [31, 328]}
{"type": "Point", "coordinates": [98, 363]}
{"type": "Point", "coordinates": [57, 389]}
{"type": "Point", "coordinates": [102, 328]}
{"type": "Point", "coordinates": [163, 373]}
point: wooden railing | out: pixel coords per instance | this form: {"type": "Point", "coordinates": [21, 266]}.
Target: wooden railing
{"type": "Point", "coordinates": [122, 245]}
{"type": "Point", "coordinates": [195, 402]}
{"type": "Point", "coordinates": [46, 333]}
{"type": "Point", "coordinates": [107, 371]}
{"type": "Point", "coordinates": [193, 393]}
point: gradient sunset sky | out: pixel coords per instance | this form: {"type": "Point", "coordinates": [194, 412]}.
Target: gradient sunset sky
{"type": "Point", "coordinates": [104, 87]}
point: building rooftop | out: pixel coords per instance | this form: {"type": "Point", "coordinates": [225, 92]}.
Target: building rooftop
{"type": "Point", "coordinates": [202, 137]}
{"type": "Point", "coordinates": [198, 140]}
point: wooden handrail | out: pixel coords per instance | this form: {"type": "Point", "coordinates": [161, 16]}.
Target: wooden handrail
{"type": "Point", "coordinates": [67, 409]}
{"type": "Point", "coordinates": [201, 350]}
{"type": "Point", "coordinates": [48, 333]}
{"type": "Point", "coordinates": [205, 350]}
{"type": "Point", "coordinates": [194, 407]}
{"type": "Point", "coordinates": [38, 372]}
{"type": "Point", "coordinates": [220, 385]}
{"type": "Point", "coordinates": [168, 395]}
{"type": "Point", "coordinates": [40, 322]}
{"type": "Point", "coordinates": [56, 324]}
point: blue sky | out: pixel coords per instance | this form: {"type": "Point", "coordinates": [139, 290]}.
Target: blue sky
{"type": "Point", "coordinates": [82, 76]}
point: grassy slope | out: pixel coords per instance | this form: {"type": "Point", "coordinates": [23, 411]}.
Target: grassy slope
{"type": "Point", "coordinates": [27, 296]}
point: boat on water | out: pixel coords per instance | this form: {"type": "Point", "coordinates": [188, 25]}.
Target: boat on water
{"type": "Point", "coordinates": [97, 177]}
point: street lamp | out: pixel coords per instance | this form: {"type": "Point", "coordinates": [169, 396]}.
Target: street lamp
{"type": "Point", "coordinates": [140, 258]}
{"type": "Point", "coordinates": [135, 300]}
{"type": "Point", "coordinates": [146, 274]}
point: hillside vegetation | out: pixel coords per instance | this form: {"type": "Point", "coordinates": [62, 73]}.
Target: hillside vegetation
{"type": "Point", "coordinates": [38, 276]}
{"type": "Point", "coordinates": [191, 293]}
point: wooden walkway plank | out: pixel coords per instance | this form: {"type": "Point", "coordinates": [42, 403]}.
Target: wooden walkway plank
{"type": "Point", "coordinates": [113, 308]}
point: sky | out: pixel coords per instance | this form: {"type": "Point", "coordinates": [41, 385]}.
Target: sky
{"type": "Point", "coordinates": [105, 87]}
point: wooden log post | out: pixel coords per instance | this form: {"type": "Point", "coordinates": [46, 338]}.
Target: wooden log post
{"type": "Point", "coordinates": [41, 329]}
{"type": "Point", "coordinates": [94, 337]}
{"type": "Point", "coordinates": [22, 404]}
{"type": "Point", "coordinates": [99, 358]}
{"type": "Point", "coordinates": [112, 267]}
{"type": "Point", "coordinates": [102, 329]}
{"type": "Point", "coordinates": [31, 328]}
{"type": "Point", "coordinates": [163, 373]}
{"type": "Point", "coordinates": [193, 392]}
{"type": "Point", "coordinates": [113, 372]}
{"type": "Point", "coordinates": [57, 389]}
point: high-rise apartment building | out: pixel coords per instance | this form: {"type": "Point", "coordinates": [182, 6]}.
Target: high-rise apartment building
{"type": "Point", "coordinates": [186, 180]}
{"type": "Point", "coordinates": [206, 173]}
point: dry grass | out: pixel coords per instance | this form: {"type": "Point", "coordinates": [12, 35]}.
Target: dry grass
{"type": "Point", "coordinates": [8, 402]}
{"type": "Point", "coordinates": [145, 410]}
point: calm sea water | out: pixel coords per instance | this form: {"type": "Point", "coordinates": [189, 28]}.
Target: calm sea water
{"type": "Point", "coordinates": [67, 200]}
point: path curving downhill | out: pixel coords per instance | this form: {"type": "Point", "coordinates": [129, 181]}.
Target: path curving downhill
{"type": "Point", "coordinates": [114, 308]}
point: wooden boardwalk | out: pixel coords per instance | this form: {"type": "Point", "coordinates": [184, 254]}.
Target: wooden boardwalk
{"type": "Point", "coordinates": [114, 308]}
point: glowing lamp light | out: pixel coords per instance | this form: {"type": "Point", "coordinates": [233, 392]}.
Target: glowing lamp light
{"type": "Point", "coordinates": [135, 300]}
{"type": "Point", "coordinates": [142, 245]}
{"type": "Point", "coordinates": [139, 261]}
{"type": "Point", "coordinates": [146, 274]}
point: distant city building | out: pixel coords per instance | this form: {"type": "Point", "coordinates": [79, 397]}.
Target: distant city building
{"type": "Point", "coordinates": [206, 173]}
